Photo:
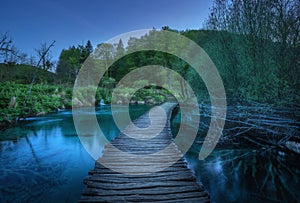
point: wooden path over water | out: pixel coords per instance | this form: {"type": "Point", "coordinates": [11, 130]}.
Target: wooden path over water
{"type": "Point", "coordinates": [136, 182]}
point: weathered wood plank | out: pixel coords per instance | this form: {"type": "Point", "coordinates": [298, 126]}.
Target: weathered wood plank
{"type": "Point", "coordinates": [147, 191]}
{"type": "Point", "coordinates": [173, 183]}
{"type": "Point", "coordinates": [104, 170]}
{"type": "Point", "coordinates": [109, 179]}
{"type": "Point", "coordinates": [149, 197]}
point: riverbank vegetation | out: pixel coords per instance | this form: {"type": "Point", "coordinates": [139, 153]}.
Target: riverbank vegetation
{"type": "Point", "coordinates": [46, 98]}
{"type": "Point", "coordinates": [254, 45]}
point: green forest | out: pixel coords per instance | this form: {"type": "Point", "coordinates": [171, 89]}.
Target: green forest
{"type": "Point", "coordinates": [73, 115]}
{"type": "Point", "coordinates": [255, 48]}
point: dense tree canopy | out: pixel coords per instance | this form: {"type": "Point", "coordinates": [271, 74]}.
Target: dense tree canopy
{"type": "Point", "coordinates": [254, 45]}
{"type": "Point", "coordinates": [70, 61]}
{"type": "Point", "coordinates": [258, 42]}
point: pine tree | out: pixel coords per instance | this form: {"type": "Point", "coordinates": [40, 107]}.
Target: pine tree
{"type": "Point", "coordinates": [120, 48]}
{"type": "Point", "coordinates": [89, 47]}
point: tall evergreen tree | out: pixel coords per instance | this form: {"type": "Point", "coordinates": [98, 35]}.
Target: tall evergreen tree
{"type": "Point", "coordinates": [89, 47]}
{"type": "Point", "coordinates": [120, 48]}
{"type": "Point", "coordinates": [85, 51]}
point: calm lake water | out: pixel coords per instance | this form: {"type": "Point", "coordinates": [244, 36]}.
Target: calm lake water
{"type": "Point", "coordinates": [245, 175]}
{"type": "Point", "coordinates": [49, 164]}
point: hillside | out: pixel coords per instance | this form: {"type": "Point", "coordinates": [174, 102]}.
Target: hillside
{"type": "Point", "coordinates": [22, 74]}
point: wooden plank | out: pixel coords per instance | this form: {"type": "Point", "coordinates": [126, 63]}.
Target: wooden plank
{"type": "Point", "coordinates": [109, 179]}
{"type": "Point", "coordinates": [136, 198]}
{"type": "Point", "coordinates": [150, 197]}
{"type": "Point", "coordinates": [173, 182]}
{"type": "Point", "coordinates": [145, 192]}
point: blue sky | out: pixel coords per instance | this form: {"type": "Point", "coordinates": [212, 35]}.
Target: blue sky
{"type": "Point", "coordinates": [73, 22]}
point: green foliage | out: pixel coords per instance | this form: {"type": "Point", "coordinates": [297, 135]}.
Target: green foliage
{"type": "Point", "coordinates": [71, 60]}
{"type": "Point", "coordinates": [147, 94]}
{"type": "Point", "coordinates": [68, 64]}
{"type": "Point", "coordinates": [85, 96]}
{"type": "Point", "coordinates": [21, 73]}
{"type": "Point", "coordinates": [256, 48]}
{"type": "Point", "coordinates": [252, 68]}
{"type": "Point", "coordinates": [44, 98]}
{"type": "Point", "coordinates": [141, 83]}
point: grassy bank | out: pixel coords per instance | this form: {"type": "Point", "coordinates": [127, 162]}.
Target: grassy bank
{"type": "Point", "coordinates": [43, 99]}
{"type": "Point", "coordinates": [48, 98]}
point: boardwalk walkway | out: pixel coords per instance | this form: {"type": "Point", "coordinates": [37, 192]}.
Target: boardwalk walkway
{"type": "Point", "coordinates": [136, 182]}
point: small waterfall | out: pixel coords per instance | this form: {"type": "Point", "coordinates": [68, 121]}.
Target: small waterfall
{"type": "Point", "coordinates": [102, 102]}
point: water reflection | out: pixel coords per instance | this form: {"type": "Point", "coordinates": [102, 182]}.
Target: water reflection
{"type": "Point", "coordinates": [49, 163]}
{"type": "Point", "coordinates": [245, 175]}
{"type": "Point", "coordinates": [43, 165]}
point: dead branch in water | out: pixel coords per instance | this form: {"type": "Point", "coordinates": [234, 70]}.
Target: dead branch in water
{"type": "Point", "coordinates": [259, 124]}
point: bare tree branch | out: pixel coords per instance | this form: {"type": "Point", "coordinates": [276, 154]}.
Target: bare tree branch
{"type": "Point", "coordinates": [33, 79]}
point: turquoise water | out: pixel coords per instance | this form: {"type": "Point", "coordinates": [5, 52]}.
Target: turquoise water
{"type": "Point", "coordinates": [49, 163]}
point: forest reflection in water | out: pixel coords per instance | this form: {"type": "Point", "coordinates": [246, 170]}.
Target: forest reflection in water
{"type": "Point", "coordinates": [238, 171]}
{"type": "Point", "coordinates": [48, 163]}
{"type": "Point", "coordinates": [246, 175]}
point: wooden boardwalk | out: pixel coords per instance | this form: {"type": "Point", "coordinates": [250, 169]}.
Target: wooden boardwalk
{"type": "Point", "coordinates": [137, 183]}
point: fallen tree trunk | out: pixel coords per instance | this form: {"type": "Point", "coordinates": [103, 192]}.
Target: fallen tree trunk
{"type": "Point", "coordinates": [259, 124]}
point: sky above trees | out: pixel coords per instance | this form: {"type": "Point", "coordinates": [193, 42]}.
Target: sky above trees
{"type": "Point", "coordinates": [32, 22]}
